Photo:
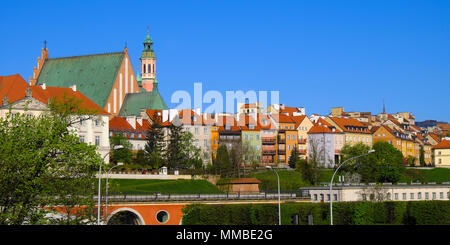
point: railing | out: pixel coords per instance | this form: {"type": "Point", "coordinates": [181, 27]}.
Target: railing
{"type": "Point", "coordinates": [302, 141]}
{"type": "Point", "coordinates": [269, 141]}
{"type": "Point", "coordinates": [281, 141]}
{"type": "Point", "coordinates": [207, 197]}
{"type": "Point", "coordinates": [281, 151]}
{"type": "Point", "coordinates": [302, 151]}
{"type": "Point", "coordinates": [269, 152]}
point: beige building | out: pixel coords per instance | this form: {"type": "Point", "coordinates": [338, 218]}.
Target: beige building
{"type": "Point", "coordinates": [385, 192]}
{"type": "Point", "coordinates": [441, 153]}
{"type": "Point", "coordinates": [33, 100]}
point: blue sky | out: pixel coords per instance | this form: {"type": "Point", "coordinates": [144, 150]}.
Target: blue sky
{"type": "Point", "coordinates": [318, 54]}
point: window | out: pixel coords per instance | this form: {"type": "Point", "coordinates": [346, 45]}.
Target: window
{"type": "Point", "coordinates": [328, 197]}
{"type": "Point", "coordinates": [196, 131]}
{"type": "Point", "coordinates": [81, 122]}
{"type": "Point", "coordinates": [388, 196]}
{"type": "Point", "coordinates": [411, 196]}
{"type": "Point", "coordinates": [315, 197]}
{"type": "Point", "coordinates": [97, 140]}
{"type": "Point", "coordinates": [433, 195]}
{"type": "Point", "coordinates": [97, 122]}
{"type": "Point", "coordinates": [321, 197]}
{"type": "Point", "coordinates": [426, 195]}
{"type": "Point", "coordinates": [162, 217]}
{"type": "Point", "coordinates": [196, 143]}
{"type": "Point", "coordinates": [364, 197]}
{"type": "Point", "coordinates": [419, 195]}
{"type": "Point", "coordinates": [395, 196]}
{"type": "Point", "coordinates": [404, 196]}
{"type": "Point", "coordinates": [335, 197]}
{"type": "Point", "coordinates": [441, 195]}
{"type": "Point", "coordinates": [205, 143]}
{"type": "Point", "coordinates": [205, 131]}
{"type": "Point", "coordinates": [82, 139]}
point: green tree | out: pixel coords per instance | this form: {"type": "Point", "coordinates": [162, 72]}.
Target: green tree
{"type": "Point", "coordinates": [174, 154]}
{"type": "Point", "coordinates": [124, 154]}
{"type": "Point", "coordinates": [44, 164]}
{"type": "Point", "coordinates": [222, 163]}
{"type": "Point", "coordinates": [190, 152]}
{"type": "Point", "coordinates": [154, 147]}
{"type": "Point", "coordinates": [293, 158]}
{"type": "Point", "coordinates": [385, 165]}
{"type": "Point", "coordinates": [422, 156]}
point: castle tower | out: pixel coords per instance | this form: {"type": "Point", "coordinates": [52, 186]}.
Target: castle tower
{"type": "Point", "coordinates": [148, 65]}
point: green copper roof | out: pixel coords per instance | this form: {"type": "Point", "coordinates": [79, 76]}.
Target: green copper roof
{"type": "Point", "coordinates": [148, 50]}
{"type": "Point", "coordinates": [133, 103]}
{"type": "Point", "coordinates": [94, 75]}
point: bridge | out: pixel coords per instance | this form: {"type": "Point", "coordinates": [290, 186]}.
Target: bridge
{"type": "Point", "coordinates": [166, 209]}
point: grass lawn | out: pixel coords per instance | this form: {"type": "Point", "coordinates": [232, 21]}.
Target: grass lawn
{"type": "Point", "coordinates": [289, 180]}
{"type": "Point", "coordinates": [437, 175]}
{"type": "Point", "coordinates": [139, 186]}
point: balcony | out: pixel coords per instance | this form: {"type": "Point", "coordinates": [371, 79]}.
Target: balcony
{"type": "Point", "coordinates": [302, 141]}
{"type": "Point", "coordinates": [281, 151]}
{"type": "Point", "coordinates": [281, 141]}
{"type": "Point", "coordinates": [269, 152]}
{"type": "Point", "coordinates": [269, 141]}
{"type": "Point", "coordinates": [302, 151]}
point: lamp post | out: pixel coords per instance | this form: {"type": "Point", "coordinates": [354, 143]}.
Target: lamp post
{"type": "Point", "coordinates": [279, 205]}
{"type": "Point", "coordinates": [99, 178]}
{"type": "Point", "coordinates": [106, 194]}
{"type": "Point", "coordinates": [331, 183]}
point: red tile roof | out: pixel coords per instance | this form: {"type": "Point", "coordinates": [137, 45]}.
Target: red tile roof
{"type": "Point", "coordinates": [15, 87]}
{"type": "Point", "coordinates": [444, 144]}
{"type": "Point", "coordinates": [350, 125]}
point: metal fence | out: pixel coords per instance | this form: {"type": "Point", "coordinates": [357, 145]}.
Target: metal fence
{"type": "Point", "coordinates": [206, 197]}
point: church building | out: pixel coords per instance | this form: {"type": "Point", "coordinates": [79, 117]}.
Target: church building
{"type": "Point", "coordinates": [107, 79]}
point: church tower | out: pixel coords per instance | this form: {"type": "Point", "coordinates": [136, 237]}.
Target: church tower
{"type": "Point", "coordinates": [148, 65]}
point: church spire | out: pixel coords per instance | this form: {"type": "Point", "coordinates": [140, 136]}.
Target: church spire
{"type": "Point", "coordinates": [148, 64]}
{"type": "Point", "coordinates": [384, 108]}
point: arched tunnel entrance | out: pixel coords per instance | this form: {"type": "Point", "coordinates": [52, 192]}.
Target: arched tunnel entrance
{"type": "Point", "coordinates": [125, 217]}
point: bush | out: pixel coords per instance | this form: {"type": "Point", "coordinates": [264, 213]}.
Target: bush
{"type": "Point", "coordinates": [344, 213]}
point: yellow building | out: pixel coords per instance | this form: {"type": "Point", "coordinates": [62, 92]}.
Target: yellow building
{"type": "Point", "coordinates": [303, 124]}
{"type": "Point", "coordinates": [441, 154]}
{"type": "Point", "coordinates": [355, 131]}
{"type": "Point", "coordinates": [287, 137]}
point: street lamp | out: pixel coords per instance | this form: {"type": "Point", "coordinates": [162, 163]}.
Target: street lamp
{"type": "Point", "coordinates": [117, 147]}
{"type": "Point", "coordinates": [279, 205]}
{"type": "Point", "coordinates": [331, 183]}
{"type": "Point", "coordinates": [106, 194]}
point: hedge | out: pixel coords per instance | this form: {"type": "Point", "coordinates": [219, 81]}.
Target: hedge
{"type": "Point", "coordinates": [344, 213]}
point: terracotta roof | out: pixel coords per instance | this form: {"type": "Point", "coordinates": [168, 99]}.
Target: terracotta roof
{"type": "Point", "coordinates": [44, 95]}
{"type": "Point", "coordinates": [245, 121]}
{"type": "Point", "coordinates": [444, 144]}
{"type": "Point", "coordinates": [282, 118]}
{"type": "Point", "coordinates": [121, 125]}
{"type": "Point", "coordinates": [152, 113]}
{"type": "Point", "coordinates": [350, 125]}
{"type": "Point", "coordinates": [298, 120]}
{"type": "Point", "coordinates": [288, 110]}
{"type": "Point", "coordinates": [435, 136]}
{"type": "Point", "coordinates": [13, 87]}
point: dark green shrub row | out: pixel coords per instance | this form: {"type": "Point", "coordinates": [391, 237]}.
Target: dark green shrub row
{"type": "Point", "coordinates": [344, 213]}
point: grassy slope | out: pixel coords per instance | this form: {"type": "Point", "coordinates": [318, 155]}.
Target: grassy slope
{"type": "Point", "coordinates": [131, 186]}
{"type": "Point", "coordinates": [289, 180]}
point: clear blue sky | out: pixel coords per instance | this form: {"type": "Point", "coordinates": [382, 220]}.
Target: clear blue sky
{"type": "Point", "coordinates": [318, 54]}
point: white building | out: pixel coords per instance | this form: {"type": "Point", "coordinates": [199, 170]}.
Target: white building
{"type": "Point", "coordinates": [385, 192]}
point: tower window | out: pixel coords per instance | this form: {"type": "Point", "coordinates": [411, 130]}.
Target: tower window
{"type": "Point", "coordinates": [149, 68]}
{"type": "Point", "coordinates": [144, 68]}
{"type": "Point", "coordinates": [153, 68]}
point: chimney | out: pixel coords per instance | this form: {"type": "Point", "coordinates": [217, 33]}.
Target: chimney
{"type": "Point", "coordinates": [43, 86]}
{"type": "Point", "coordinates": [74, 88]}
